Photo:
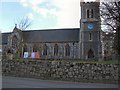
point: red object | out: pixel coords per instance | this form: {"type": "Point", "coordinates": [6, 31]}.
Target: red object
{"type": "Point", "coordinates": [37, 55]}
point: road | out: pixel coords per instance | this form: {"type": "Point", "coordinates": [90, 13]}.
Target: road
{"type": "Point", "coordinates": [16, 82]}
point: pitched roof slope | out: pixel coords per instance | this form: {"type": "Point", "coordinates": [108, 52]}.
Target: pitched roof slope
{"type": "Point", "coordinates": [51, 35]}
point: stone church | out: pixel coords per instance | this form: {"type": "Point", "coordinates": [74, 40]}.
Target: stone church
{"type": "Point", "coordinates": [72, 43]}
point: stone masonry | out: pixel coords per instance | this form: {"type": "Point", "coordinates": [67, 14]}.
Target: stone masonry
{"type": "Point", "coordinates": [59, 70]}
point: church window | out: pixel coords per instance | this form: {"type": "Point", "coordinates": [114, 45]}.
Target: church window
{"type": "Point", "coordinates": [14, 41]}
{"type": "Point", "coordinates": [35, 48]}
{"type": "Point", "coordinates": [90, 36]}
{"type": "Point", "coordinates": [91, 13]}
{"type": "Point", "coordinates": [25, 48]}
{"type": "Point", "coordinates": [67, 50]}
{"type": "Point", "coordinates": [88, 13]}
{"type": "Point", "coordinates": [45, 50]}
{"type": "Point", "coordinates": [56, 50]}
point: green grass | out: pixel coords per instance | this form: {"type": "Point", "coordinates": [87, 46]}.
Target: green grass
{"type": "Point", "coordinates": [72, 61]}
{"type": "Point", "coordinates": [110, 62]}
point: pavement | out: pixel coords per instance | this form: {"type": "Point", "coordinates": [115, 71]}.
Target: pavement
{"type": "Point", "coordinates": [17, 82]}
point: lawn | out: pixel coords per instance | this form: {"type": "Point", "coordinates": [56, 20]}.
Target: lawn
{"type": "Point", "coordinates": [73, 60]}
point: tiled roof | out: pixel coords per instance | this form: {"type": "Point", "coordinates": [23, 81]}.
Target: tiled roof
{"type": "Point", "coordinates": [48, 36]}
{"type": "Point", "coordinates": [51, 35]}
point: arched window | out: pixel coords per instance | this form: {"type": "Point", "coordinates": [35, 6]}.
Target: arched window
{"type": "Point", "coordinates": [35, 48]}
{"type": "Point", "coordinates": [14, 41]}
{"type": "Point", "coordinates": [88, 13]}
{"type": "Point", "coordinates": [56, 50]}
{"type": "Point", "coordinates": [25, 48]}
{"type": "Point", "coordinates": [91, 13]}
{"type": "Point", "coordinates": [67, 50]}
{"type": "Point", "coordinates": [90, 36]}
{"type": "Point", "coordinates": [45, 49]}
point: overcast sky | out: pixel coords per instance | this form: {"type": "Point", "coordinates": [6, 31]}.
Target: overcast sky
{"type": "Point", "coordinates": [44, 14]}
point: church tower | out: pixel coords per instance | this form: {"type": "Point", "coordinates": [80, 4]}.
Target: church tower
{"type": "Point", "coordinates": [90, 27]}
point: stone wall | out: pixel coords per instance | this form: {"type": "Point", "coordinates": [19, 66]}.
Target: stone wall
{"type": "Point", "coordinates": [54, 70]}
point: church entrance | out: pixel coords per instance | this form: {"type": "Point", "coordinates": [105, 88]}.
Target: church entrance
{"type": "Point", "coordinates": [90, 54]}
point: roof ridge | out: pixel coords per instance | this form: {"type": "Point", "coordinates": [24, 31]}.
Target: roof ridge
{"type": "Point", "coordinates": [51, 29]}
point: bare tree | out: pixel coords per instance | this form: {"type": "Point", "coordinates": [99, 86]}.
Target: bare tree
{"type": "Point", "coordinates": [24, 23]}
{"type": "Point", "coordinates": [110, 14]}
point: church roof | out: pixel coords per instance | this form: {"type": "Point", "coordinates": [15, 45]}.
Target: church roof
{"type": "Point", "coordinates": [51, 35]}
{"type": "Point", "coordinates": [47, 36]}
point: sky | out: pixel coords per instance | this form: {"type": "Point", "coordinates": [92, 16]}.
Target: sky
{"type": "Point", "coordinates": [43, 14]}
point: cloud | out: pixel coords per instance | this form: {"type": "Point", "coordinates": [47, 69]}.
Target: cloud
{"type": "Point", "coordinates": [36, 6]}
{"type": "Point", "coordinates": [24, 3]}
{"type": "Point", "coordinates": [68, 14]}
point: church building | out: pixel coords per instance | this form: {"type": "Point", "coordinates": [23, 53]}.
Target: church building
{"type": "Point", "coordinates": [72, 43]}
